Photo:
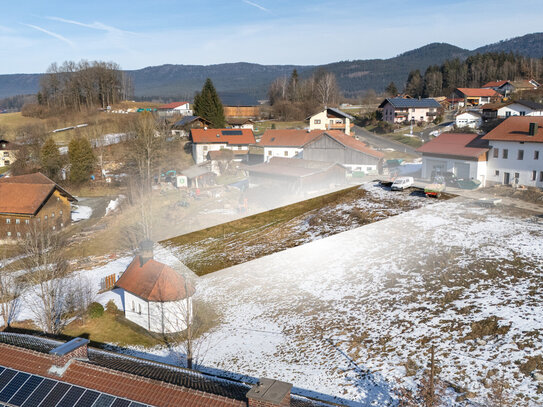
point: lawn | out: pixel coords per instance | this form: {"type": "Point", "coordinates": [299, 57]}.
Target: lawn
{"type": "Point", "coordinates": [261, 127]}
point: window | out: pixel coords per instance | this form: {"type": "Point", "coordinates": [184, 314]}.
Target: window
{"type": "Point", "coordinates": [8, 221]}
{"type": "Point", "coordinates": [496, 152]}
{"type": "Point", "coordinates": [507, 114]}
{"type": "Point", "coordinates": [496, 173]}
{"type": "Point", "coordinates": [505, 153]}
{"type": "Point", "coordinates": [27, 221]}
{"type": "Point", "coordinates": [523, 113]}
{"type": "Point", "coordinates": [534, 175]}
{"type": "Point", "coordinates": [60, 212]}
{"type": "Point", "coordinates": [45, 217]}
{"type": "Point", "coordinates": [54, 227]}
{"type": "Point", "coordinates": [17, 221]}
{"type": "Point", "coordinates": [520, 155]}
{"type": "Point", "coordinates": [517, 175]}
{"type": "Point", "coordinates": [133, 307]}
{"type": "Point", "coordinates": [53, 214]}
{"type": "Point", "coordinates": [205, 148]}
{"type": "Point", "coordinates": [540, 176]}
{"type": "Point", "coordinates": [286, 153]}
{"type": "Point", "coordinates": [269, 152]}
{"type": "Point", "coordinates": [9, 234]}
{"type": "Point", "coordinates": [18, 234]}
{"type": "Point", "coordinates": [139, 309]}
{"type": "Point", "coordinates": [6, 162]}
{"type": "Point", "coordinates": [536, 155]}
{"type": "Point", "coordinates": [413, 110]}
{"type": "Point", "coordinates": [317, 121]}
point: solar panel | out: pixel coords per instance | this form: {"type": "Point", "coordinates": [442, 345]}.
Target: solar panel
{"type": "Point", "coordinates": [56, 394]}
{"type": "Point", "coordinates": [87, 398]}
{"type": "Point", "coordinates": [6, 377]}
{"type": "Point", "coordinates": [135, 404]}
{"type": "Point", "coordinates": [13, 386]}
{"type": "Point", "coordinates": [232, 132]}
{"type": "Point", "coordinates": [25, 391]}
{"type": "Point", "coordinates": [104, 400]}
{"type": "Point", "coordinates": [71, 397]}
{"type": "Point", "coordinates": [41, 392]}
{"type": "Point", "coordinates": [121, 403]}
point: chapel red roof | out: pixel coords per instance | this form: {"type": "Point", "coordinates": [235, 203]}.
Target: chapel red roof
{"type": "Point", "coordinates": [228, 136]}
{"type": "Point", "coordinates": [456, 144]}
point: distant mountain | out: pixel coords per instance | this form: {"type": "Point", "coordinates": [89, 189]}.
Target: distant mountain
{"type": "Point", "coordinates": [243, 83]}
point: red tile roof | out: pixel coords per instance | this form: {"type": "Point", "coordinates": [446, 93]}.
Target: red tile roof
{"type": "Point", "coordinates": [288, 137]}
{"type": "Point", "coordinates": [172, 105]}
{"type": "Point", "coordinates": [515, 128]}
{"type": "Point", "coordinates": [154, 281]}
{"type": "Point", "coordinates": [26, 194]}
{"type": "Point", "coordinates": [477, 92]}
{"type": "Point", "coordinates": [494, 84]}
{"type": "Point", "coordinates": [351, 142]}
{"type": "Point", "coordinates": [455, 144]}
{"type": "Point", "coordinates": [228, 136]}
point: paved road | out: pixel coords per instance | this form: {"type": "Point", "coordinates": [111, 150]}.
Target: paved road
{"type": "Point", "coordinates": [379, 142]}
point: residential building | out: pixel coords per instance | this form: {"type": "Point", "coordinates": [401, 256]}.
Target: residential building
{"type": "Point", "coordinates": [287, 143]}
{"type": "Point", "coordinates": [464, 154]}
{"type": "Point", "coordinates": [7, 153]}
{"type": "Point", "coordinates": [43, 372]}
{"type": "Point", "coordinates": [331, 119]}
{"type": "Point", "coordinates": [512, 108]}
{"type": "Point", "coordinates": [182, 127]}
{"type": "Point", "coordinates": [505, 88]}
{"type": "Point", "coordinates": [470, 119]}
{"type": "Point", "coordinates": [477, 96]}
{"type": "Point", "coordinates": [205, 140]}
{"type": "Point", "coordinates": [175, 108]}
{"type": "Point", "coordinates": [155, 296]}
{"type": "Point", "coordinates": [31, 200]}
{"type": "Point", "coordinates": [516, 155]}
{"type": "Point", "coordinates": [240, 123]}
{"type": "Point", "coordinates": [402, 110]}
{"type": "Point", "coordinates": [337, 147]}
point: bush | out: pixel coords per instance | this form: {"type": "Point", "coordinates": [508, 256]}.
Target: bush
{"type": "Point", "coordinates": [111, 307]}
{"type": "Point", "coordinates": [384, 127]}
{"type": "Point", "coordinates": [95, 310]}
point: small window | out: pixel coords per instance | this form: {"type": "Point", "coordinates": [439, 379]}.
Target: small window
{"type": "Point", "coordinates": [45, 217]}
{"type": "Point", "coordinates": [505, 153]}
{"type": "Point", "coordinates": [517, 175]}
{"type": "Point", "coordinates": [205, 148]}
{"type": "Point", "coordinates": [54, 227]}
{"type": "Point", "coordinates": [496, 152]}
{"type": "Point", "coordinates": [60, 212]}
{"type": "Point", "coordinates": [8, 221]}
{"type": "Point", "coordinates": [520, 155]}
{"type": "Point", "coordinates": [534, 175]}
{"type": "Point", "coordinates": [18, 234]}
{"type": "Point", "coordinates": [286, 154]}
{"type": "Point", "coordinates": [133, 307]}
{"type": "Point", "coordinates": [497, 172]}
{"type": "Point", "coordinates": [269, 152]}
{"type": "Point", "coordinates": [9, 234]}
{"type": "Point", "coordinates": [540, 176]}
{"type": "Point", "coordinates": [53, 214]}
{"type": "Point", "coordinates": [139, 309]}
{"type": "Point", "coordinates": [27, 221]}
{"type": "Point", "coordinates": [523, 113]}
{"type": "Point", "coordinates": [317, 121]}
{"type": "Point", "coordinates": [536, 155]}
{"type": "Point", "coordinates": [17, 221]}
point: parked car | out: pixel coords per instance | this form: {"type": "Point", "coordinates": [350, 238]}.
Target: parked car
{"type": "Point", "coordinates": [402, 183]}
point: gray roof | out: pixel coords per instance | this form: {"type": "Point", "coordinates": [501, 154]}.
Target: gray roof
{"type": "Point", "coordinates": [186, 120]}
{"type": "Point", "coordinates": [401, 102]}
{"type": "Point", "coordinates": [528, 103]}
{"type": "Point", "coordinates": [340, 113]}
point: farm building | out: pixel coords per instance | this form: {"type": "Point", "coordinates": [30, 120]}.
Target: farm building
{"type": "Point", "coordinates": [175, 108]}
{"type": "Point", "coordinates": [154, 295]}
{"type": "Point", "coordinates": [182, 127]}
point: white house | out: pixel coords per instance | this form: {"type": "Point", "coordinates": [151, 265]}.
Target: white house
{"type": "Point", "coordinates": [240, 123]}
{"type": "Point", "coordinates": [155, 296]}
{"type": "Point", "coordinates": [175, 108]}
{"type": "Point", "coordinates": [287, 143]}
{"type": "Point", "coordinates": [473, 120]}
{"type": "Point", "coordinates": [516, 155]}
{"type": "Point", "coordinates": [520, 108]}
{"type": "Point", "coordinates": [331, 119]}
{"type": "Point", "coordinates": [464, 154]}
{"type": "Point", "coordinates": [206, 140]}
{"type": "Point", "coordinates": [400, 110]}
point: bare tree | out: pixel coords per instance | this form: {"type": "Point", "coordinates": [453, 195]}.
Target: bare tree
{"type": "Point", "coordinates": [11, 289]}
{"type": "Point", "coordinates": [79, 296]}
{"type": "Point", "coordinates": [326, 88]}
{"type": "Point", "coordinates": [45, 268]}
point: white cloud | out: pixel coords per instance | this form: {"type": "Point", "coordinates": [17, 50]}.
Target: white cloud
{"type": "Point", "coordinates": [258, 6]}
{"type": "Point", "coordinates": [96, 25]}
{"type": "Point", "coordinates": [52, 34]}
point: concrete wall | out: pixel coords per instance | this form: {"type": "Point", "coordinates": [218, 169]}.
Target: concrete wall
{"type": "Point", "coordinates": [289, 152]}
{"type": "Point", "coordinates": [512, 165]}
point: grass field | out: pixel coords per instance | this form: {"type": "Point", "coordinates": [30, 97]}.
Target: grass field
{"type": "Point", "coordinates": [10, 122]}
{"type": "Point", "coordinates": [261, 127]}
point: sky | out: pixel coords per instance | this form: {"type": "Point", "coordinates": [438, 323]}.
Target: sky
{"type": "Point", "coordinates": [136, 33]}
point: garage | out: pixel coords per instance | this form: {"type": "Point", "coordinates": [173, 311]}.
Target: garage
{"type": "Point", "coordinates": [461, 170]}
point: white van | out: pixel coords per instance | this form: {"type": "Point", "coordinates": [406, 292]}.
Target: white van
{"type": "Point", "coordinates": [402, 183]}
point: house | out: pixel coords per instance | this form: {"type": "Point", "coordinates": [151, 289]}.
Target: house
{"type": "Point", "coordinates": [400, 110]}
{"type": "Point", "coordinates": [31, 200]}
{"type": "Point", "coordinates": [477, 96]}
{"type": "Point", "coordinates": [175, 108]}
{"type": "Point", "coordinates": [240, 123]}
{"type": "Point", "coordinates": [182, 127]}
{"type": "Point", "coordinates": [155, 296]}
{"type": "Point", "coordinates": [520, 108]}
{"type": "Point", "coordinates": [7, 152]}
{"type": "Point", "coordinates": [199, 176]}
{"type": "Point", "coordinates": [286, 142]}
{"type": "Point", "coordinates": [331, 119]}
{"type": "Point", "coordinates": [205, 140]}
{"type": "Point", "coordinates": [524, 85]}
{"type": "Point", "coordinates": [516, 155]}
{"type": "Point", "coordinates": [470, 119]}
{"type": "Point", "coordinates": [296, 175]}
{"type": "Point", "coordinates": [504, 88]}
{"type": "Point", "coordinates": [337, 147]}
{"type": "Point", "coordinates": [465, 155]}
{"type": "Point", "coordinates": [43, 372]}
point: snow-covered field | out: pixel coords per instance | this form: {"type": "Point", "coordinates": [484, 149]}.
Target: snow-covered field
{"type": "Point", "coordinates": [349, 314]}
{"type": "Point", "coordinates": [81, 212]}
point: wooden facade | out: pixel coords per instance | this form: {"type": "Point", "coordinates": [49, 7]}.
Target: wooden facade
{"type": "Point", "coordinates": [327, 149]}
{"type": "Point", "coordinates": [242, 111]}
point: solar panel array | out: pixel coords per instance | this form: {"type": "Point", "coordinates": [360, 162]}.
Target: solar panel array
{"type": "Point", "coordinates": [27, 390]}
{"type": "Point", "coordinates": [232, 133]}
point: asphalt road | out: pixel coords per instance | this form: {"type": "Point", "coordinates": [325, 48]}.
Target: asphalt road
{"type": "Point", "coordinates": [382, 142]}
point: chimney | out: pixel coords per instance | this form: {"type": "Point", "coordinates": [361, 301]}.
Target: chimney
{"type": "Point", "coordinates": [65, 353]}
{"type": "Point", "coordinates": [269, 393]}
{"type": "Point", "coordinates": [146, 251]}
{"type": "Point", "coordinates": [533, 129]}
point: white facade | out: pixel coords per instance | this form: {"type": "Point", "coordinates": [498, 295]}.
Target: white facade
{"type": "Point", "coordinates": [517, 109]}
{"type": "Point", "coordinates": [161, 317]}
{"type": "Point", "coordinates": [469, 119]}
{"type": "Point", "coordinates": [200, 150]}
{"type": "Point", "coordinates": [400, 115]}
{"type": "Point", "coordinates": [464, 169]}
{"type": "Point", "coordinates": [321, 121]}
{"type": "Point", "coordinates": [509, 161]}
{"type": "Point", "coordinates": [286, 152]}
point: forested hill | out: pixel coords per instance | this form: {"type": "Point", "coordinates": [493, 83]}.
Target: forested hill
{"type": "Point", "coordinates": [237, 82]}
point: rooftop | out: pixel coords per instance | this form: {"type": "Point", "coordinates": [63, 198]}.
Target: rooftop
{"type": "Point", "coordinates": [288, 137]}
{"type": "Point", "coordinates": [456, 144]}
{"type": "Point", "coordinates": [406, 103]}
{"type": "Point", "coordinates": [478, 92]}
{"type": "Point", "coordinates": [516, 128]}
{"type": "Point", "coordinates": [228, 136]}
{"type": "Point", "coordinates": [172, 105]}
{"type": "Point", "coordinates": [351, 142]}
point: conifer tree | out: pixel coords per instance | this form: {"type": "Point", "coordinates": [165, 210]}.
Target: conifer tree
{"type": "Point", "coordinates": [207, 104]}
{"type": "Point", "coordinates": [391, 89]}
{"type": "Point", "coordinates": [81, 160]}
{"type": "Point", "coordinates": [50, 159]}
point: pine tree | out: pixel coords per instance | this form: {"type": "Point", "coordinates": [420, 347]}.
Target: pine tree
{"type": "Point", "coordinates": [391, 89]}
{"type": "Point", "coordinates": [81, 160]}
{"type": "Point", "coordinates": [50, 159]}
{"type": "Point", "coordinates": [208, 105]}
{"type": "Point", "coordinates": [414, 84]}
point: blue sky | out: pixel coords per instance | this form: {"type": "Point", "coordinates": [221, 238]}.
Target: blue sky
{"type": "Point", "coordinates": [140, 33]}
